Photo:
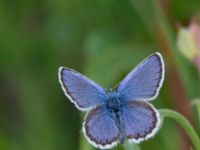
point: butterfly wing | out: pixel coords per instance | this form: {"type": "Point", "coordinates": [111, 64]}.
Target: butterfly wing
{"type": "Point", "coordinates": [83, 92]}
{"type": "Point", "coordinates": [141, 121]}
{"type": "Point", "coordinates": [143, 82]}
{"type": "Point", "coordinates": [100, 128]}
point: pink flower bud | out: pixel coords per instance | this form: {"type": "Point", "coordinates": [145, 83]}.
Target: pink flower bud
{"type": "Point", "coordinates": [188, 42]}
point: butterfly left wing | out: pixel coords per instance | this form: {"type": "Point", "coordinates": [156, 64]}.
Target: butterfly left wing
{"type": "Point", "coordinates": [83, 92]}
{"type": "Point", "coordinates": [100, 129]}
{"type": "Point", "coordinates": [140, 120]}
{"type": "Point", "coordinates": [144, 81]}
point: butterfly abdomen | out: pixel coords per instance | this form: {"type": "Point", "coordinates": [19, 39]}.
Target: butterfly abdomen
{"type": "Point", "coordinates": [120, 126]}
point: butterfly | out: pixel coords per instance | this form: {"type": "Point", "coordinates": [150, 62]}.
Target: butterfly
{"type": "Point", "coordinates": [119, 114]}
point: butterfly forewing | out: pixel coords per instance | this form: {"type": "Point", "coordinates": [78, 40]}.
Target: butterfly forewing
{"type": "Point", "coordinates": [144, 81]}
{"type": "Point", "coordinates": [80, 90]}
{"type": "Point", "coordinates": [140, 121]}
{"type": "Point", "coordinates": [100, 128]}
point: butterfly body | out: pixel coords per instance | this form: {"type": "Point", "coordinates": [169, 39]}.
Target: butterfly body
{"type": "Point", "coordinates": [121, 114]}
{"type": "Point", "coordinates": [114, 106]}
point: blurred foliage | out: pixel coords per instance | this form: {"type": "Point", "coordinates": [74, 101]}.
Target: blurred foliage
{"type": "Point", "coordinates": [102, 39]}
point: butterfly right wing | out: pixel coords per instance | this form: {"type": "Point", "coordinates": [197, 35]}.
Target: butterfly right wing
{"type": "Point", "coordinates": [144, 81]}
{"type": "Point", "coordinates": [100, 129]}
{"type": "Point", "coordinates": [83, 92]}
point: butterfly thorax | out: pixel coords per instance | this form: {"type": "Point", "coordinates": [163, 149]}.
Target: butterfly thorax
{"type": "Point", "coordinates": [112, 101]}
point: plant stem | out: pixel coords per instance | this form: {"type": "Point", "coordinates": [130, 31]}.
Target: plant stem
{"type": "Point", "coordinates": [198, 113]}
{"type": "Point", "coordinates": [184, 123]}
{"type": "Point", "coordinates": [196, 103]}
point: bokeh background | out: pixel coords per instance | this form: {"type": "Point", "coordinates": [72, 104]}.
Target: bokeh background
{"type": "Point", "coordinates": [103, 39]}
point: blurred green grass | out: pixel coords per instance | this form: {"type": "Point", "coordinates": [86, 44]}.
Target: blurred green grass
{"type": "Point", "coordinates": [102, 39]}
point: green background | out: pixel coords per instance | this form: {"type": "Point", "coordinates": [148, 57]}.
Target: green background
{"type": "Point", "coordinates": [103, 39]}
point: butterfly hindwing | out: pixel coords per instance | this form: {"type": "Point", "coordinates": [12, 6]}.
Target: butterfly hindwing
{"type": "Point", "coordinates": [83, 92]}
{"type": "Point", "coordinates": [140, 120]}
{"type": "Point", "coordinates": [144, 81]}
{"type": "Point", "coordinates": [100, 129]}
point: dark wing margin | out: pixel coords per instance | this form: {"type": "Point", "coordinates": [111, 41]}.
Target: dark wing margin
{"type": "Point", "coordinates": [144, 81]}
{"type": "Point", "coordinates": [80, 90]}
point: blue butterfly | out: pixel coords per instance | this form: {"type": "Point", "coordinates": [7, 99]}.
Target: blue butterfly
{"type": "Point", "coordinates": [121, 113]}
